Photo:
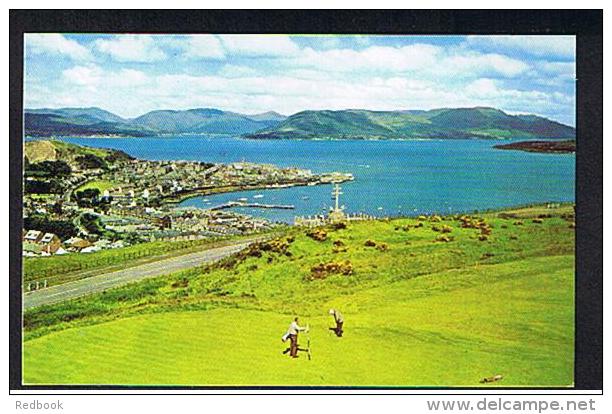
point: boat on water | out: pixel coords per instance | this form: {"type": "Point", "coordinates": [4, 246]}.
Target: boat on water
{"type": "Point", "coordinates": [243, 199]}
{"type": "Point", "coordinates": [258, 196]}
{"type": "Point", "coordinates": [305, 198]}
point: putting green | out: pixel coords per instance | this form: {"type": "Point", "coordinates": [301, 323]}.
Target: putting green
{"type": "Point", "coordinates": [450, 328]}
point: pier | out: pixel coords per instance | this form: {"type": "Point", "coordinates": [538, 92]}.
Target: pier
{"type": "Point", "coordinates": [232, 204]}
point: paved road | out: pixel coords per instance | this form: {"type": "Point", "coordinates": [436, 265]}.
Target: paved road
{"type": "Point", "coordinates": [102, 282]}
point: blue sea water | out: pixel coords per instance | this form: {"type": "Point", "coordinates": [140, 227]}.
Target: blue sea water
{"type": "Point", "coordinates": [391, 177]}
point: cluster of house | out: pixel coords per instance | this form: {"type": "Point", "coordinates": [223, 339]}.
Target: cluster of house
{"type": "Point", "coordinates": [244, 173]}
{"type": "Point", "coordinates": [143, 180]}
{"type": "Point", "coordinates": [188, 224]}
{"type": "Point", "coordinates": [137, 202]}
{"type": "Point", "coordinates": [35, 243]}
{"type": "Point", "coordinates": [150, 224]}
{"type": "Point", "coordinates": [166, 223]}
{"type": "Point", "coordinates": [38, 243]}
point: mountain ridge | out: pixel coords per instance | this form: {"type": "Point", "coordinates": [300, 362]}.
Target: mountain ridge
{"type": "Point", "coordinates": [444, 123]}
{"type": "Point", "coordinates": [93, 121]}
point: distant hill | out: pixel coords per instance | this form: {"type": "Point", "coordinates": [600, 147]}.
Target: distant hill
{"type": "Point", "coordinates": [95, 114]}
{"type": "Point", "coordinates": [47, 122]}
{"type": "Point", "coordinates": [446, 123]}
{"type": "Point", "coordinates": [40, 124]}
{"type": "Point", "coordinates": [267, 116]}
{"type": "Point", "coordinates": [202, 120]}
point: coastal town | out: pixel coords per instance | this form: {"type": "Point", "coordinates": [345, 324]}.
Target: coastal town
{"type": "Point", "coordinates": [79, 199]}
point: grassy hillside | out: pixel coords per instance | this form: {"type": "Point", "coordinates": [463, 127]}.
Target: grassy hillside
{"type": "Point", "coordinates": [100, 185]}
{"type": "Point", "coordinates": [449, 123]}
{"type": "Point", "coordinates": [429, 301]}
{"type": "Point", "coordinates": [55, 150]}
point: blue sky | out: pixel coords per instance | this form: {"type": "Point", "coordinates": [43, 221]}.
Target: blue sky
{"type": "Point", "coordinates": [133, 74]}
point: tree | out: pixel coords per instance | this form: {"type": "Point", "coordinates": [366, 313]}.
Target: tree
{"type": "Point", "coordinates": [92, 223]}
{"type": "Point", "coordinates": [48, 169]}
{"type": "Point", "coordinates": [42, 187]}
{"type": "Point", "coordinates": [62, 228]}
{"type": "Point", "coordinates": [88, 197]}
{"type": "Point", "coordinates": [90, 161]}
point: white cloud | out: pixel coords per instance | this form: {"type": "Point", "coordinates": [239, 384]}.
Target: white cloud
{"type": "Point", "coordinates": [55, 43]}
{"type": "Point", "coordinates": [328, 42]}
{"type": "Point", "coordinates": [540, 45]}
{"type": "Point", "coordinates": [482, 88]}
{"type": "Point", "coordinates": [236, 71]}
{"type": "Point", "coordinates": [374, 58]}
{"type": "Point", "coordinates": [488, 92]}
{"type": "Point", "coordinates": [362, 40]}
{"type": "Point", "coordinates": [288, 79]}
{"type": "Point", "coordinates": [421, 60]}
{"type": "Point", "coordinates": [131, 48]}
{"type": "Point", "coordinates": [473, 64]}
{"type": "Point", "coordinates": [259, 45]}
{"type": "Point", "coordinates": [130, 78]}
{"type": "Point", "coordinates": [203, 46]}
{"type": "Point", "coordinates": [309, 74]}
{"type": "Point", "coordinates": [129, 92]}
{"type": "Point", "coordinates": [87, 76]}
{"type": "Point", "coordinates": [94, 78]}
{"type": "Point", "coordinates": [557, 68]}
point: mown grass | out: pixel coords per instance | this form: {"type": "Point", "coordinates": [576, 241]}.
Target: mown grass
{"type": "Point", "coordinates": [80, 149]}
{"type": "Point", "coordinates": [418, 313]}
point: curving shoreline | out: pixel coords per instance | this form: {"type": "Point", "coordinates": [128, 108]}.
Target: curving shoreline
{"type": "Point", "coordinates": [180, 197]}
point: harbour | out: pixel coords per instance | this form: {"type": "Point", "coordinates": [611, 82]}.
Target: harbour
{"type": "Point", "coordinates": [391, 178]}
{"type": "Point", "coordinates": [232, 204]}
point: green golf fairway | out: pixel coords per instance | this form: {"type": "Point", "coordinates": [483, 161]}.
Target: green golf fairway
{"type": "Point", "coordinates": [421, 313]}
{"type": "Point", "coordinates": [520, 326]}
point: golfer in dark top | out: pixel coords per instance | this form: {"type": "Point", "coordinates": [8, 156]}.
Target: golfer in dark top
{"type": "Point", "coordinates": [339, 319]}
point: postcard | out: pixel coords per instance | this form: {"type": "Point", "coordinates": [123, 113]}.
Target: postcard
{"type": "Point", "coordinates": [298, 210]}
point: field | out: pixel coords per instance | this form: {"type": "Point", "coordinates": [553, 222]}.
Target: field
{"type": "Point", "coordinates": [492, 297]}
{"type": "Point", "coordinates": [100, 185]}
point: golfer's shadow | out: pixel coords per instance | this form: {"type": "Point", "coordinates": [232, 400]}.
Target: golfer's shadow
{"type": "Point", "coordinates": [337, 331]}
{"type": "Point", "coordinates": [298, 348]}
